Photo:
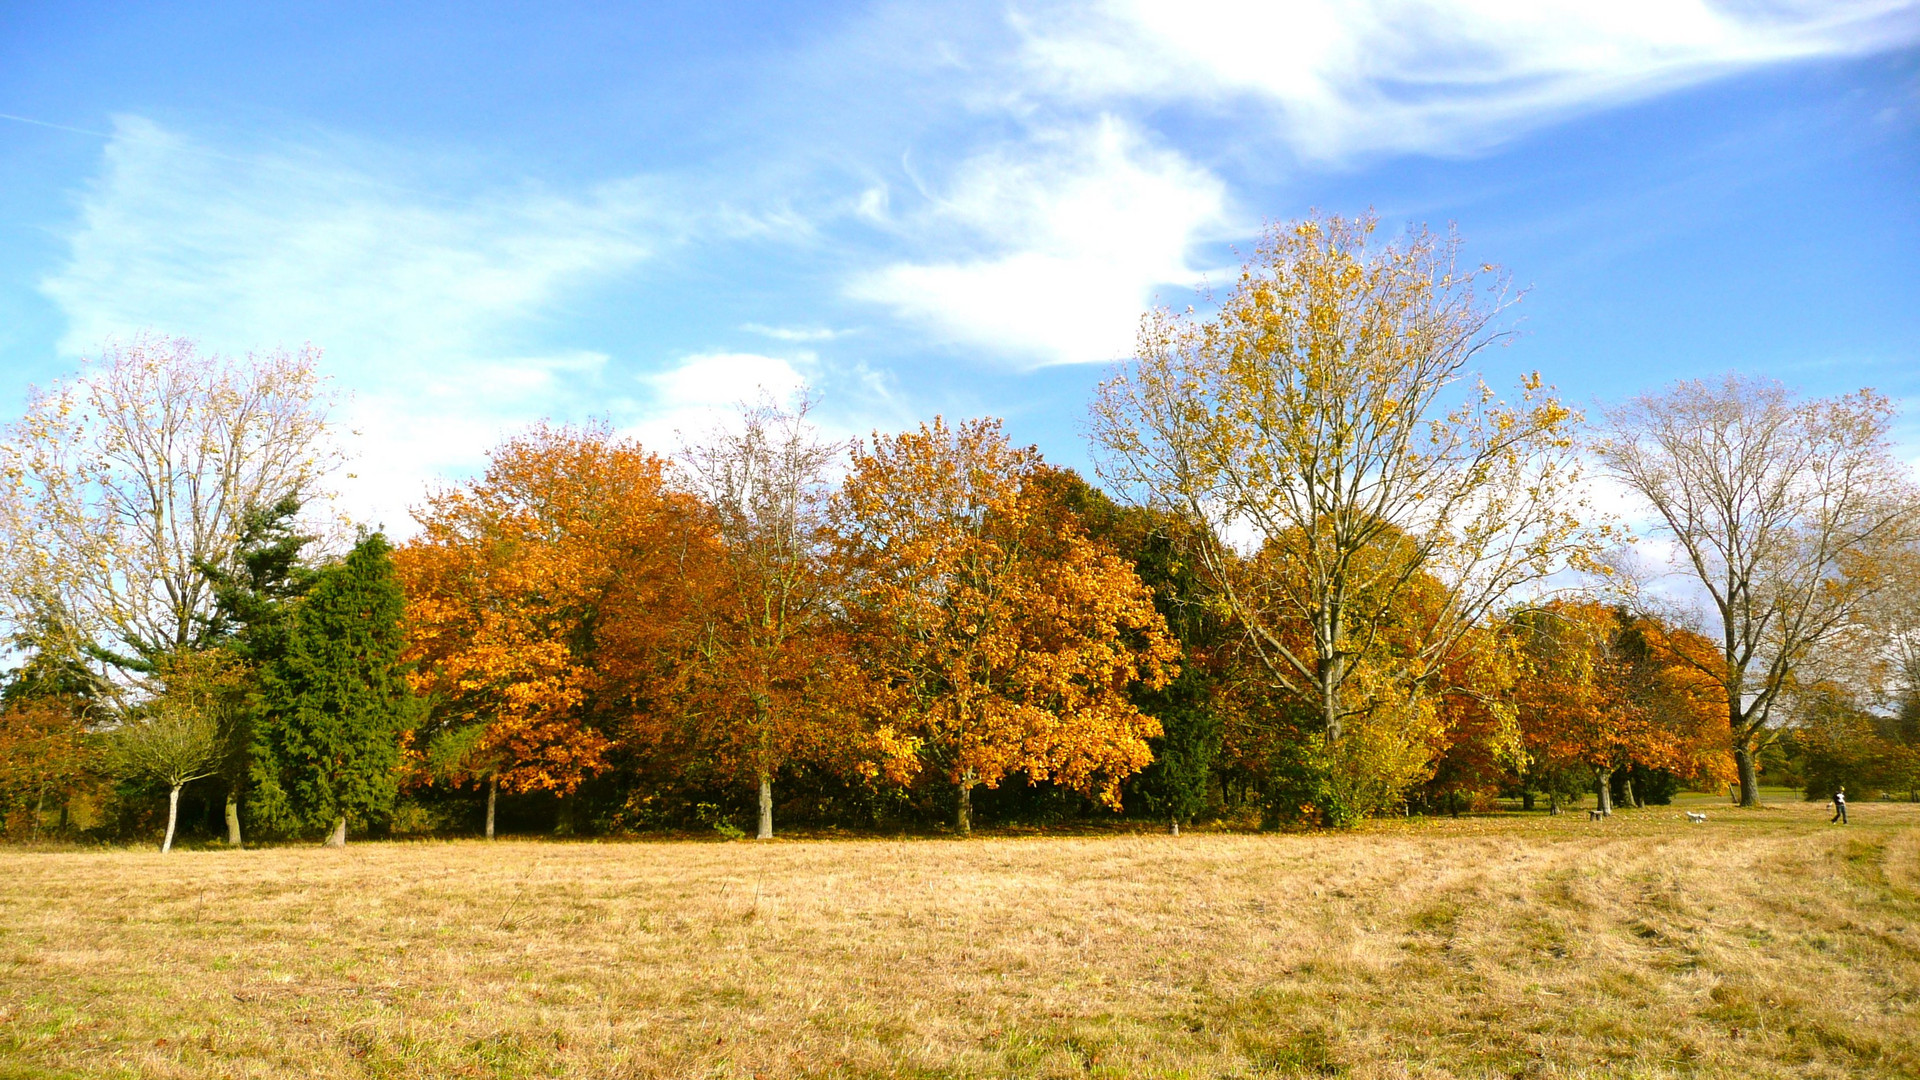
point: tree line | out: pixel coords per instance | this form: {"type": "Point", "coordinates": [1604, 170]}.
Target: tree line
{"type": "Point", "coordinates": [1322, 572]}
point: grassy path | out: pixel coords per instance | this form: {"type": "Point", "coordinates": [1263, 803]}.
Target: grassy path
{"type": "Point", "coordinates": [1761, 944]}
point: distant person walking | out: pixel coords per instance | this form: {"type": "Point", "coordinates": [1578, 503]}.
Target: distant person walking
{"type": "Point", "coordinates": [1839, 807]}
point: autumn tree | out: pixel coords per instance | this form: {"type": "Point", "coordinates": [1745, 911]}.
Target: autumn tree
{"type": "Point", "coordinates": [118, 486]}
{"type": "Point", "coordinates": [1008, 641]}
{"type": "Point", "coordinates": [1175, 787]}
{"type": "Point", "coordinates": [44, 754]}
{"type": "Point", "coordinates": [336, 703]}
{"type": "Point", "coordinates": [46, 706]}
{"type": "Point", "coordinates": [1601, 691]}
{"type": "Point", "coordinates": [1781, 510]}
{"type": "Point", "coordinates": [1325, 416]}
{"type": "Point", "coordinates": [545, 600]}
{"type": "Point", "coordinates": [771, 665]}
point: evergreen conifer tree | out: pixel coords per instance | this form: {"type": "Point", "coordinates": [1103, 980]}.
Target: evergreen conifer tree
{"type": "Point", "coordinates": [255, 597]}
{"type": "Point", "coordinates": [336, 701]}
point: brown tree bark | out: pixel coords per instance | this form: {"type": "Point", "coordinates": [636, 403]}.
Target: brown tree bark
{"type": "Point", "coordinates": [493, 794]}
{"type": "Point", "coordinates": [1749, 777]}
{"type": "Point", "coordinates": [233, 818]}
{"type": "Point", "coordinates": [963, 806]}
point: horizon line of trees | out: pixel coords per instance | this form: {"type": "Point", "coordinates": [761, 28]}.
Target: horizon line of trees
{"type": "Point", "coordinates": [1331, 575]}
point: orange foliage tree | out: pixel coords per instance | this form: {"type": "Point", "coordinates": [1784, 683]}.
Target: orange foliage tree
{"type": "Point", "coordinates": [1603, 692]}
{"type": "Point", "coordinates": [44, 758]}
{"type": "Point", "coordinates": [540, 601]}
{"type": "Point", "coordinates": [1002, 635]}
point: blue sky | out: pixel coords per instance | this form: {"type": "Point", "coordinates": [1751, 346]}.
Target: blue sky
{"type": "Point", "coordinates": [491, 213]}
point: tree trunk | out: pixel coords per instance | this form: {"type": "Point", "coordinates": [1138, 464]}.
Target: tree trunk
{"type": "Point", "coordinates": [338, 838]}
{"type": "Point", "coordinates": [765, 831]}
{"type": "Point", "coordinates": [173, 816]}
{"type": "Point", "coordinates": [563, 824]}
{"type": "Point", "coordinates": [1329, 673]}
{"type": "Point", "coordinates": [1173, 825]}
{"type": "Point", "coordinates": [233, 817]}
{"type": "Point", "coordinates": [39, 809]}
{"type": "Point", "coordinates": [963, 806]}
{"type": "Point", "coordinates": [1605, 786]}
{"type": "Point", "coordinates": [493, 795]}
{"type": "Point", "coordinates": [1630, 798]}
{"type": "Point", "coordinates": [1526, 800]}
{"type": "Point", "coordinates": [1749, 779]}
{"type": "Point", "coordinates": [1553, 803]}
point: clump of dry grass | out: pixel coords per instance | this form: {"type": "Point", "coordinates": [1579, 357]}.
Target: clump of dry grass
{"type": "Point", "coordinates": [1761, 944]}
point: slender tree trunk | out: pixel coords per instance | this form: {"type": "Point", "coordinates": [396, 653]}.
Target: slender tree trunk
{"type": "Point", "coordinates": [963, 805]}
{"type": "Point", "coordinates": [1329, 672]}
{"type": "Point", "coordinates": [493, 795]}
{"type": "Point", "coordinates": [66, 813]}
{"type": "Point", "coordinates": [39, 809]}
{"type": "Point", "coordinates": [1631, 799]}
{"type": "Point", "coordinates": [765, 832]}
{"type": "Point", "coordinates": [1749, 778]}
{"type": "Point", "coordinates": [1553, 803]}
{"type": "Point", "coordinates": [338, 838]}
{"type": "Point", "coordinates": [233, 817]}
{"type": "Point", "coordinates": [1173, 825]}
{"type": "Point", "coordinates": [173, 817]}
{"type": "Point", "coordinates": [563, 824]}
{"type": "Point", "coordinates": [1605, 786]}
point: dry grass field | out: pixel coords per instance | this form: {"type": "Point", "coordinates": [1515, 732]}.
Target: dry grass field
{"type": "Point", "coordinates": [1761, 944]}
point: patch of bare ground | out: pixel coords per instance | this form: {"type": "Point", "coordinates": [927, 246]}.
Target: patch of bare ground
{"type": "Point", "coordinates": [1760, 944]}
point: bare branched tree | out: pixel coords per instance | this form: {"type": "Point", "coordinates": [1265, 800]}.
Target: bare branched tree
{"type": "Point", "coordinates": [1784, 511]}
{"type": "Point", "coordinates": [766, 480]}
{"type": "Point", "coordinates": [117, 487]}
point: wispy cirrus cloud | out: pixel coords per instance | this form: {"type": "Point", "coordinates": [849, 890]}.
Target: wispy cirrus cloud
{"type": "Point", "coordinates": [425, 304]}
{"type": "Point", "coordinates": [795, 333]}
{"type": "Point", "coordinates": [1044, 245]}
{"type": "Point", "coordinates": [1341, 77]}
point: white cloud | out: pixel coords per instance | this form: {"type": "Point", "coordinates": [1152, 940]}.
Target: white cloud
{"type": "Point", "coordinates": [1347, 76]}
{"type": "Point", "coordinates": [421, 302]}
{"type": "Point", "coordinates": [1067, 236]}
{"type": "Point", "coordinates": [794, 333]}
{"type": "Point", "coordinates": [702, 393]}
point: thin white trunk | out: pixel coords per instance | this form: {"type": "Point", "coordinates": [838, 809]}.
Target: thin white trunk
{"type": "Point", "coordinates": [173, 816]}
{"type": "Point", "coordinates": [766, 808]}
{"type": "Point", "coordinates": [338, 838]}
